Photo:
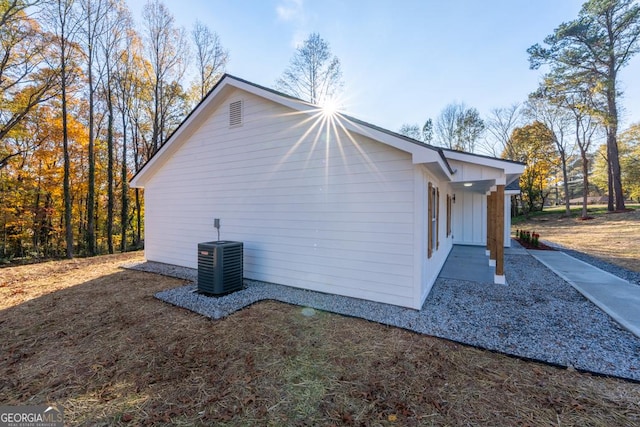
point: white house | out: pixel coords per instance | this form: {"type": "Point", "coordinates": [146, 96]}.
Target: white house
{"type": "Point", "coordinates": [321, 201]}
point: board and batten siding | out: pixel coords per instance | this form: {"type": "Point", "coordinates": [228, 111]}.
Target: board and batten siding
{"type": "Point", "coordinates": [469, 220]}
{"type": "Point", "coordinates": [315, 208]}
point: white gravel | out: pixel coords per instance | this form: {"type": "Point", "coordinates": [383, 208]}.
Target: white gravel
{"type": "Point", "coordinates": [537, 316]}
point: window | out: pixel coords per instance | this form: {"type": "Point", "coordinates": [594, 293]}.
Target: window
{"type": "Point", "coordinates": [449, 209]}
{"type": "Point", "coordinates": [433, 215]}
{"type": "Point", "coordinates": [436, 220]}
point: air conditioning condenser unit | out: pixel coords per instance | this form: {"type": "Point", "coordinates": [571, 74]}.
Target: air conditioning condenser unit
{"type": "Point", "coordinates": [220, 267]}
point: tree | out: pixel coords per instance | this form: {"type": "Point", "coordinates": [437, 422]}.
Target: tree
{"type": "Point", "coordinates": [314, 74]}
{"type": "Point", "coordinates": [21, 212]}
{"type": "Point", "coordinates": [111, 44]}
{"type": "Point", "coordinates": [427, 131]}
{"type": "Point", "coordinates": [533, 145]}
{"type": "Point", "coordinates": [469, 128]}
{"type": "Point", "coordinates": [629, 144]}
{"type": "Point", "coordinates": [458, 127]}
{"type": "Point", "coordinates": [167, 52]}
{"type": "Point", "coordinates": [499, 127]}
{"type": "Point", "coordinates": [593, 49]}
{"type": "Point", "coordinates": [93, 16]}
{"type": "Point", "coordinates": [412, 131]}
{"type": "Point", "coordinates": [629, 149]}
{"type": "Point", "coordinates": [133, 95]}
{"type": "Point", "coordinates": [211, 58]}
{"type": "Point", "coordinates": [586, 127]}
{"type": "Point", "coordinates": [65, 25]}
{"type": "Point", "coordinates": [558, 121]}
{"type": "Point", "coordinates": [579, 100]}
{"type": "Point", "coordinates": [125, 80]}
{"type": "Point", "coordinates": [424, 134]}
{"type": "Point", "coordinates": [26, 80]}
{"type": "Point", "coordinates": [446, 123]}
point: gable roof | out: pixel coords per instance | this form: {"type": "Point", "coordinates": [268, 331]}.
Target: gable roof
{"type": "Point", "coordinates": [420, 152]}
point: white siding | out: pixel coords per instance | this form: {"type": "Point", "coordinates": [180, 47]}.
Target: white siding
{"type": "Point", "coordinates": [470, 218]}
{"type": "Point", "coordinates": [314, 208]}
{"type": "Point", "coordinates": [431, 266]}
{"type": "Point", "coordinates": [507, 221]}
{"type": "Point", "coordinates": [470, 208]}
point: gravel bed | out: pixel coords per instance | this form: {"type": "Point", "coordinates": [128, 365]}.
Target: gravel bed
{"type": "Point", "coordinates": [536, 316]}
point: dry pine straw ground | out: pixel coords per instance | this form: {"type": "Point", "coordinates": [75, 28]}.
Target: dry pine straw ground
{"type": "Point", "coordinates": [611, 237]}
{"type": "Point", "coordinates": [90, 336]}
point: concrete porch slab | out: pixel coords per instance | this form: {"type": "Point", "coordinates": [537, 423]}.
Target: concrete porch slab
{"type": "Point", "coordinates": [468, 263]}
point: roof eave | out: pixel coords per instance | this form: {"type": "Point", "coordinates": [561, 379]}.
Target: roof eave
{"type": "Point", "coordinates": [510, 167]}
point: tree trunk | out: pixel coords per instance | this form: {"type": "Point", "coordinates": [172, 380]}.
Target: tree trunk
{"type": "Point", "coordinates": [109, 170]}
{"type": "Point", "coordinates": [67, 169]}
{"type": "Point", "coordinates": [565, 177]}
{"type": "Point", "coordinates": [616, 172]}
{"type": "Point", "coordinates": [124, 208]}
{"type": "Point", "coordinates": [612, 135]}
{"type": "Point", "coordinates": [155, 137]}
{"type": "Point", "coordinates": [585, 181]}
{"type": "Point", "coordinates": [49, 248]}
{"type": "Point", "coordinates": [610, 198]}
{"type": "Point", "coordinates": [37, 219]}
{"type": "Point", "coordinates": [66, 185]}
{"type": "Point", "coordinates": [91, 186]}
{"type": "Point", "coordinates": [139, 218]}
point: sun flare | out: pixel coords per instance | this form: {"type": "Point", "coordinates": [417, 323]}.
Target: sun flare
{"type": "Point", "coordinates": [330, 107]}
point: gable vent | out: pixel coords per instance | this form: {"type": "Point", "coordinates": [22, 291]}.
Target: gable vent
{"type": "Point", "coordinates": [235, 113]}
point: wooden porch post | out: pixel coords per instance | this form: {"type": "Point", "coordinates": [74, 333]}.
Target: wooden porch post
{"type": "Point", "coordinates": [491, 244]}
{"type": "Point", "coordinates": [499, 233]}
{"type": "Point", "coordinates": [488, 251]}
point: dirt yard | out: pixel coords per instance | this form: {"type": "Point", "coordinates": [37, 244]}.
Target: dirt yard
{"type": "Point", "coordinates": [612, 237]}
{"type": "Point", "coordinates": [90, 336]}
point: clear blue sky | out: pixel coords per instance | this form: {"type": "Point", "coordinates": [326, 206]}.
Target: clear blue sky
{"type": "Point", "coordinates": [402, 61]}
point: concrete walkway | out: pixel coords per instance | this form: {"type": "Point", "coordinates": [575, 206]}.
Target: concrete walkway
{"type": "Point", "coordinates": [476, 265]}
{"type": "Point", "coordinates": [615, 296]}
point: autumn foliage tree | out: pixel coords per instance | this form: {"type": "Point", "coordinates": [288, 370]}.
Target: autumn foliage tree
{"type": "Point", "coordinates": [592, 50]}
{"type": "Point", "coordinates": [85, 100]}
{"type": "Point", "coordinates": [629, 150]}
{"type": "Point", "coordinates": [533, 144]}
{"type": "Point", "coordinates": [26, 79]}
{"type": "Point", "coordinates": [630, 160]}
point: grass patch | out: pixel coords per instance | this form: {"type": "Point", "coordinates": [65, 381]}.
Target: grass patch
{"type": "Point", "coordinates": [612, 237]}
{"type": "Point", "coordinates": [91, 337]}
{"type": "Point", "coordinates": [576, 212]}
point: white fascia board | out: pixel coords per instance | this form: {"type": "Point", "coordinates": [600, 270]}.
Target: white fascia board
{"type": "Point", "coordinates": [419, 153]}
{"type": "Point", "coordinates": [507, 166]}
{"type": "Point", "coordinates": [428, 155]}
{"type": "Point", "coordinates": [294, 104]}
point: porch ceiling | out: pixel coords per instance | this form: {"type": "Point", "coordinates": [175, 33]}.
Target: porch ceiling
{"type": "Point", "coordinates": [477, 186]}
